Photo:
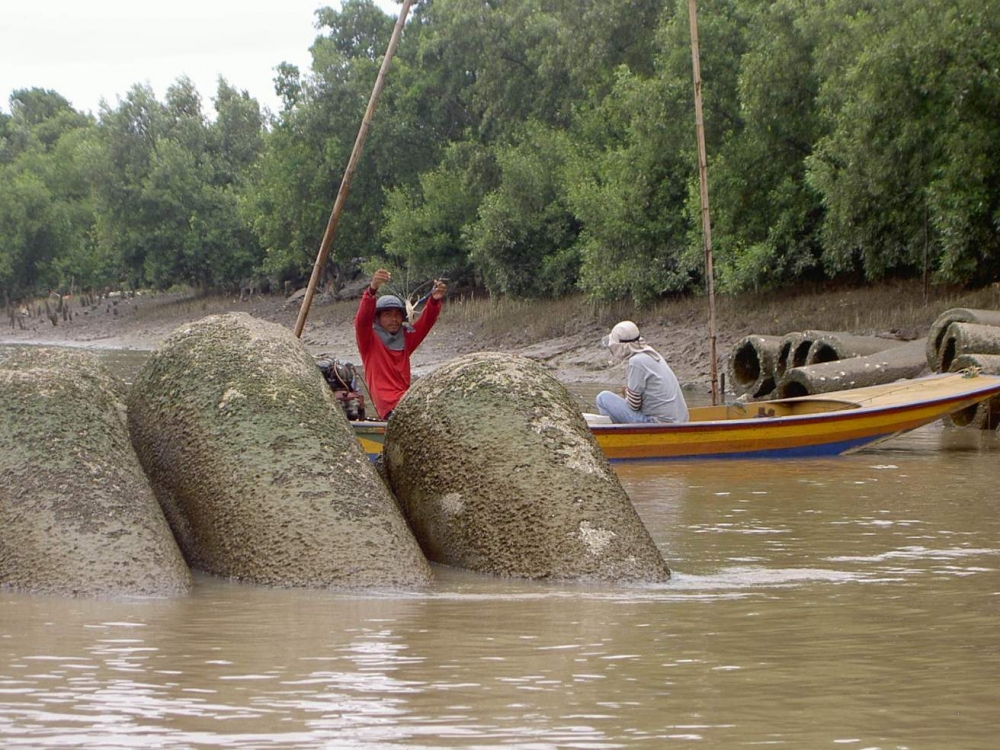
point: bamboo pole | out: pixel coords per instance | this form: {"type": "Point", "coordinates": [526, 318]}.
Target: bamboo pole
{"type": "Point", "coordinates": [352, 165]}
{"type": "Point", "coordinates": [706, 222]}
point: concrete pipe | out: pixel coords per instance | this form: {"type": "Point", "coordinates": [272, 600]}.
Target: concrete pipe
{"type": "Point", "coordinates": [904, 361]}
{"type": "Point", "coordinates": [752, 365]}
{"type": "Point", "coordinates": [794, 352]}
{"type": "Point", "coordinates": [831, 347]}
{"type": "Point", "coordinates": [986, 414]}
{"type": "Point", "coordinates": [938, 329]}
{"type": "Point", "coordinates": [793, 344]}
{"type": "Point", "coordinates": [967, 338]}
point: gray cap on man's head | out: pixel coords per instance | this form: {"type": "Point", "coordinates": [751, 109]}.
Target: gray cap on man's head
{"type": "Point", "coordinates": [390, 302]}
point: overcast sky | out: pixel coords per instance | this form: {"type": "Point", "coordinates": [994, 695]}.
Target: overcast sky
{"type": "Point", "coordinates": [89, 49]}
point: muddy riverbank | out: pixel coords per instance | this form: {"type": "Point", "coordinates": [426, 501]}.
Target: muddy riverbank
{"type": "Point", "coordinates": [564, 335]}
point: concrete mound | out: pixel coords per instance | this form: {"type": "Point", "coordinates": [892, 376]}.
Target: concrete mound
{"type": "Point", "coordinates": [77, 515]}
{"type": "Point", "coordinates": [256, 467]}
{"type": "Point", "coordinates": [497, 472]}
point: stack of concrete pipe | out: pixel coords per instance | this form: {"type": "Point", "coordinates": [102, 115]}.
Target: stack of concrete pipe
{"type": "Point", "coordinates": [831, 347]}
{"type": "Point", "coordinates": [962, 339]}
{"type": "Point", "coordinates": [758, 363]}
{"type": "Point", "coordinates": [761, 365]}
{"type": "Point", "coordinates": [793, 353]}
{"type": "Point", "coordinates": [904, 360]}
{"type": "Point", "coordinates": [938, 336]}
{"type": "Point", "coordinates": [802, 363]}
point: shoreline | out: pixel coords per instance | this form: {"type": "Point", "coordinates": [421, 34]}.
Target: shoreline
{"type": "Point", "coordinates": [563, 335]}
{"type": "Point", "coordinates": [144, 322]}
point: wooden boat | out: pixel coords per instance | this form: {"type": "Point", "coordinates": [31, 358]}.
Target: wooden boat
{"type": "Point", "coordinates": [826, 424]}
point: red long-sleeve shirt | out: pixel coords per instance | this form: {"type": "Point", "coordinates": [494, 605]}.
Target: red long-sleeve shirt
{"type": "Point", "coordinates": [387, 372]}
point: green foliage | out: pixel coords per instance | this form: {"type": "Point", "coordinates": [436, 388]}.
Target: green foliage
{"type": "Point", "coordinates": [427, 228]}
{"type": "Point", "coordinates": [167, 210]}
{"type": "Point", "coordinates": [539, 147]}
{"type": "Point", "coordinates": [909, 170]}
{"type": "Point", "coordinates": [28, 239]}
{"type": "Point", "coordinates": [963, 196]}
{"type": "Point", "coordinates": [765, 215]}
{"type": "Point", "coordinates": [238, 134]}
{"type": "Point", "coordinates": [875, 206]}
{"type": "Point", "coordinates": [45, 213]}
{"type": "Point", "coordinates": [523, 239]}
{"type": "Point", "coordinates": [309, 149]}
{"type": "Point", "coordinates": [287, 203]}
{"type": "Point", "coordinates": [629, 196]}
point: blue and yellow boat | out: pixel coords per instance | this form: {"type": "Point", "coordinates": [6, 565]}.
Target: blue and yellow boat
{"type": "Point", "coordinates": [828, 424]}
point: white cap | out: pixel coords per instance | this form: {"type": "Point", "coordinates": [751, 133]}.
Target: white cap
{"type": "Point", "coordinates": [624, 333]}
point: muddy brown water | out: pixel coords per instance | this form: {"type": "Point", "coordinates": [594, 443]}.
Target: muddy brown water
{"type": "Point", "coordinates": [846, 603]}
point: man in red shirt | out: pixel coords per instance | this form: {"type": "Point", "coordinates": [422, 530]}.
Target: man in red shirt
{"type": "Point", "coordinates": [386, 341]}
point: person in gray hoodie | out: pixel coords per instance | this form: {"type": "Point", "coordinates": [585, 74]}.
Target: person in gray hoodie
{"type": "Point", "coordinates": [651, 392]}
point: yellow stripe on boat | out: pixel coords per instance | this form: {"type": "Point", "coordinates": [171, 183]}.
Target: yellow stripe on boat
{"type": "Point", "coordinates": [820, 425]}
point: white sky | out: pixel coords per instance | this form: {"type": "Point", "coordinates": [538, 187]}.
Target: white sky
{"type": "Point", "coordinates": [89, 49]}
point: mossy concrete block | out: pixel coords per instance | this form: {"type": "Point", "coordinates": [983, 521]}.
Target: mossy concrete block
{"type": "Point", "coordinates": [256, 466]}
{"type": "Point", "coordinates": [497, 472]}
{"type": "Point", "coordinates": [77, 515]}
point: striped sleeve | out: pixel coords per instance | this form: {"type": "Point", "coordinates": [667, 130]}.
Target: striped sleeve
{"type": "Point", "coordinates": [634, 399]}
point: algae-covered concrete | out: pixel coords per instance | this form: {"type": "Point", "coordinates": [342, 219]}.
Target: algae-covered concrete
{"type": "Point", "coordinates": [256, 466]}
{"type": "Point", "coordinates": [77, 515]}
{"type": "Point", "coordinates": [497, 472]}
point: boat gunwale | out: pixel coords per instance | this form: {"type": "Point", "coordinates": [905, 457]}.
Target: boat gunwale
{"type": "Point", "coordinates": [852, 411]}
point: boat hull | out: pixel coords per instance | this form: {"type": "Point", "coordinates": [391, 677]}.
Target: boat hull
{"type": "Point", "coordinates": [811, 426]}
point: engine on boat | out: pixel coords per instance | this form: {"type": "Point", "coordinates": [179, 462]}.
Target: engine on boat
{"type": "Point", "coordinates": [342, 377]}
